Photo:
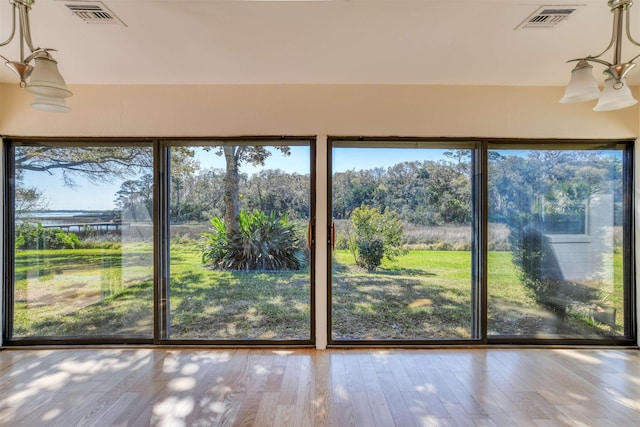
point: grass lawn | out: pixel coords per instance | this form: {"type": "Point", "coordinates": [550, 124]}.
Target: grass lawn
{"type": "Point", "coordinates": [208, 304]}
{"type": "Point", "coordinates": [427, 295]}
{"type": "Point", "coordinates": [76, 292]}
{"type": "Point", "coordinates": [422, 295]}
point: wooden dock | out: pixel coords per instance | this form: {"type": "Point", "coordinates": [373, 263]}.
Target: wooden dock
{"type": "Point", "coordinates": [98, 226]}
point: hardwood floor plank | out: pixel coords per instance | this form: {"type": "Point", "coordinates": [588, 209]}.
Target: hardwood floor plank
{"type": "Point", "coordinates": [436, 382]}
{"type": "Point", "coordinates": [395, 400]}
{"type": "Point", "coordinates": [362, 410]}
{"type": "Point", "coordinates": [248, 411]}
{"type": "Point", "coordinates": [302, 387]}
{"type": "Point", "coordinates": [518, 419]}
{"type": "Point", "coordinates": [378, 404]}
{"type": "Point", "coordinates": [288, 392]}
{"type": "Point", "coordinates": [342, 415]}
{"type": "Point", "coordinates": [137, 413]}
{"type": "Point", "coordinates": [306, 409]}
{"type": "Point", "coordinates": [422, 407]}
{"type": "Point", "coordinates": [459, 415]}
{"type": "Point", "coordinates": [267, 410]}
{"type": "Point", "coordinates": [353, 372]}
{"type": "Point", "coordinates": [320, 395]}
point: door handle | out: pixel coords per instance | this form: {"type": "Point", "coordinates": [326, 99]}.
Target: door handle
{"type": "Point", "coordinates": [333, 235]}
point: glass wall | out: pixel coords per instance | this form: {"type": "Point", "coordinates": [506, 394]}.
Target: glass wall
{"type": "Point", "coordinates": [82, 237]}
{"type": "Point", "coordinates": [212, 242]}
{"type": "Point", "coordinates": [239, 224]}
{"type": "Point", "coordinates": [401, 264]}
{"type": "Point", "coordinates": [559, 271]}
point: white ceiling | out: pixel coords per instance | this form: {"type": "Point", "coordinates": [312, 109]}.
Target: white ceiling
{"type": "Point", "coordinates": [449, 42]}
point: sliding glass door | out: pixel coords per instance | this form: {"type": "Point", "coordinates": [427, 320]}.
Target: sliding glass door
{"type": "Point", "coordinates": [239, 232]}
{"type": "Point", "coordinates": [563, 271]}
{"type": "Point", "coordinates": [80, 242]}
{"type": "Point", "coordinates": [402, 239]}
{"type": "Point", "coordinates": [211, 241]}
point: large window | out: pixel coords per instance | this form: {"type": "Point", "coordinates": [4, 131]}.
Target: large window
{"type": "Point", "coordinates": [211, 241]}
{"type": "Point", "coordinates": [562, 269]}
{"type": "Point", "coordinates": [402, 241]}
{"type": "Point", "coordinates": [239, 232]}
{"type": "Point", "coordinates": [81, 236]}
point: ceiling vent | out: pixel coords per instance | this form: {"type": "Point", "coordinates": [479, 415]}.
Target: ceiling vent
{"type": "Point", "coordinates": [548, 16]}
{"type": "Point", "coordinates": [94, 13]}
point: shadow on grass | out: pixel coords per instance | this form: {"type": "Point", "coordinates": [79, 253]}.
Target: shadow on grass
{"type": "Point", "coordinates": [399, 271]}
{"type": "Point", "coordinates": [394, 303]}
{"type": "Point", "coordinates": [129, 312]}
{"type": "Point", "coordinates": [240, 305]}
{"type": "Point", "coordinates": [394, 270]}
{"type": "Point", "coordinates": [383, 307]}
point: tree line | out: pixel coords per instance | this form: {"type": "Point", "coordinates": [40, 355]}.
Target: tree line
{"type": "Point", "coordinates": [421, 192]}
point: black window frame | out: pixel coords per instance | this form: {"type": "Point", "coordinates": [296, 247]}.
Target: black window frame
{"type": "Point", "coordinates": [160, 147]}
{"type": "Point", "coordinates": [163, 336]}
{"type": "Point", "coordinates": [9, 244]}
{"type": "Point", "coordinates": [479, 245]}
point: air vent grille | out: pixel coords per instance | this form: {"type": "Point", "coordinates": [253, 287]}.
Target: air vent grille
{"type": "Point", "coordinates": [548, 16]}
{"type": "Point", "coordinates": [94, 13]}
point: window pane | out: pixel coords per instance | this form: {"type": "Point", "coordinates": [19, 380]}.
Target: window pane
{"type": "Point", "coordinates": [239, 267]}
{"type": "Point", "coordinates": [402, 264]}
{"type": "Point", "coordinates": [555, 260]}
{"type": "Point", "coordinates": [83, 259]}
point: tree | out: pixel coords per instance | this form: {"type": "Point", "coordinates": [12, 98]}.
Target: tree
{"type": "Point", "coordinates": [352, 188]}
{"type": "Point", "coordinates": [29, 199]}
{"type": "Point", "coordinates": [97, 164]}
{"type": "Point", "coordinates": [134, 194]}
{"type": "Point", "coordinates": [275, 190]}
{"type": "Point", "coordinates": [182, 206]}
{"type": "Point", "coordinates": [461, 158]}
{"type": "Point", "coordinates": [235, 156]}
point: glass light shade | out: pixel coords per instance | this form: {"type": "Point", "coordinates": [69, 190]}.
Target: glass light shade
{"type": "Point", "coordinates": [53, 105]}
{"type": "Point", "coordinates": [615, 96]}
{"type": "Point", "coordinates": [46, 80]}
{"type": "Point", "coordinates": [582, 86]}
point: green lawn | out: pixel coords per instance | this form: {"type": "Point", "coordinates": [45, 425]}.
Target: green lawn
{"type": "Point", "coordinates": [421, 295]}
{"type": "Point", "coordinates": [75, 292]}
{"type": "Point", "coordinates": [208, 304]}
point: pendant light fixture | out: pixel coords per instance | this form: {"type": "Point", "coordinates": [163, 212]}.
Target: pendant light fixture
{"type": "Point", "coordinates": [616, 93]}
{"type": "Point", "coordinates": [38, 71]}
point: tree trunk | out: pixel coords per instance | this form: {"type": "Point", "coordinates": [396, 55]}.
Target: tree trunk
{"type": "Point", "coordinates": [231, 189]}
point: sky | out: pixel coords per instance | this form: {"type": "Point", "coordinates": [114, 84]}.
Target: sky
{"type": "Point", "coordinates": [368, 158]}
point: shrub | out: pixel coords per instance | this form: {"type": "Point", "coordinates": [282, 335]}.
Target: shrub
{"type": "Point", "coordinates": [375, 232]}
{"type": "Point", "coordinates": [216, 241]}
{"type": "Point", "coordinates": [370, 253]}
{"type": "Point", "coordinates": [29, 236]}
{"type": "Point", "coordinates": [262, 242]}
{"type": "Point", "coordinates": [539, 268]}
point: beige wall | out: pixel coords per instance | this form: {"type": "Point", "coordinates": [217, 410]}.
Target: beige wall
{"type": "Point", "coordinates": [371, 110]}
{"type": "Point", "coordinates": [310, 110]}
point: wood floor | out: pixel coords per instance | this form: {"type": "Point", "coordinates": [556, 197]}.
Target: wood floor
{"type": "Point", "coordinates": [267, 387]}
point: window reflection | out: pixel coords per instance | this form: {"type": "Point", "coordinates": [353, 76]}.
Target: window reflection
{"type": "Point", "coordinates": [561, 274]}
{"type": "Point", "coordinates": [83, 257]}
